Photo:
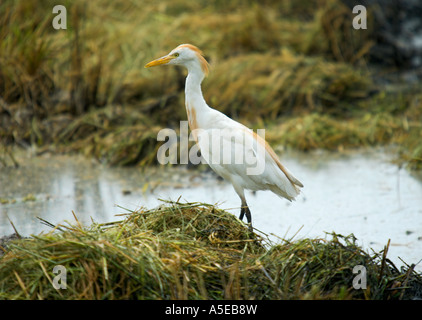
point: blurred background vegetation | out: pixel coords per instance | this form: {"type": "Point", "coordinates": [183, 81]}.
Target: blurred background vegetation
{"type": "Point", "coordinates": [296, 68]}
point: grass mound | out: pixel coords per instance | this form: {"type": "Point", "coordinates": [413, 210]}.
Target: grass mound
{"type": "Point", "coordinates": [193, 251]}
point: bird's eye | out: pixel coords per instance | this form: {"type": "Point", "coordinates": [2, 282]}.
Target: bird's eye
{"type": "Point", "coordinates": [176, 54]}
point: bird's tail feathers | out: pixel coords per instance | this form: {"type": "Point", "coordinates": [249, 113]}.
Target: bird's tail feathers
{"type": "Point", "coordinates": [287, 190]}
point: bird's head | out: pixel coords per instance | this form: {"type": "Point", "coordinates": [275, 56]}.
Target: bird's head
{"type": "Point", "coordinates": [186, 55]}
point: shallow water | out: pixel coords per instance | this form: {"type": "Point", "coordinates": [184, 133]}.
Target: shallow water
{"type": "Point", "coordinates": [361, 193]}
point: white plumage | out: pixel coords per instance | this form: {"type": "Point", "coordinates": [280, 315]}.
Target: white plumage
{"type": "Point", "coordinates": [232, 150]}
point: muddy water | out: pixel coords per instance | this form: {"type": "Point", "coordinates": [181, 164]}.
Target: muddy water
{"type": "Point", "coordinates": [361, 193]}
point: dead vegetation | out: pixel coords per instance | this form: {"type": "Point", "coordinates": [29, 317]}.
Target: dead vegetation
{"type": "Point", "coordinates": [194, 251]}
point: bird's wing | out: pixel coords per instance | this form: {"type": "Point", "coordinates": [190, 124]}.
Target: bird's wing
{"type": "Point", "coordinates": [270, 154]}
{"type": "Point", "coordinates": [241, 156]}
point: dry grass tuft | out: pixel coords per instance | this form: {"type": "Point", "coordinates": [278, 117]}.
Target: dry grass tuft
{"type": "Point", "coordinates": [193, 251]}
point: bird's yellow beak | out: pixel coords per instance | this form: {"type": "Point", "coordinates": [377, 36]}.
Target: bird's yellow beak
{"type": "Point", "coordinates": [159, 61]}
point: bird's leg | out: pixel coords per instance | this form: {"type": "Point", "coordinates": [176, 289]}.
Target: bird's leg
{"type": "Point", "coordinates": [248, 215]}
{"type": "Point", "coordinates": [244, 210]}
{"type": "Point", "coordinates": [242, 213]}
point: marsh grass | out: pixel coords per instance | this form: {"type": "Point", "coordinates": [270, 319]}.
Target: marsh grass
{"type": "Point", "coordinates": [388, 125]}
{"type": "Point", "coordinates": [193, 251]}
{"type": "Point", "coordinates": [282, 64]}
{"type": "Point", "coordinates": [283, 84]}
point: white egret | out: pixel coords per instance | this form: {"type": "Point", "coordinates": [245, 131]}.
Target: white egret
{"type": "Point", "coordinates": [206, 123]}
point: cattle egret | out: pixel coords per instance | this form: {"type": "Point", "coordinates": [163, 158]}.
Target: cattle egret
{"type": "Point", "coordinates": [206, 123]}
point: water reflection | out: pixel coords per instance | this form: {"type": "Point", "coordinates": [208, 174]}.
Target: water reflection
{"type": "Point", "coordinates": [360, 193]}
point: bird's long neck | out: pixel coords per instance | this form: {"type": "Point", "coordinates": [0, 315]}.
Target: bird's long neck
{"type": "Point", "coordinates": [196, 107]}
{"type": "Point", "coordinates": [193, 92]}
